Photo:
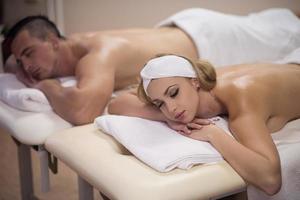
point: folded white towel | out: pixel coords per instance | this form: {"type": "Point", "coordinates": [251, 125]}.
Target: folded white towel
{"type": "Point", "coordinates": [16, 94]}
{"type": "Point", "coordinates": [156, 144]}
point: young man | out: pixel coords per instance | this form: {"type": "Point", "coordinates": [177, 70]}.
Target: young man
{"type": "Point", "coordinates": [108, 60]}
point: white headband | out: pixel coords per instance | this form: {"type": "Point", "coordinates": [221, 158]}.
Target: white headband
{"type": "Point", "coordinates": [166, 66]}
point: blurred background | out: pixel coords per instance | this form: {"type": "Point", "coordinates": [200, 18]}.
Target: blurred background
{"type": "Point", "coordinates": [88, 15]}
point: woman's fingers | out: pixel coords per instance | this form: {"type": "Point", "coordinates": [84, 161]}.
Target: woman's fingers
{"type": "Point", "coordinates": [194, 126]}
{"type": "Point", "coordinates": [187, 129]}
{"type": "Point", "coordinates": [201, 121]}
{"type": "Point", "coordinates": [184, 130]}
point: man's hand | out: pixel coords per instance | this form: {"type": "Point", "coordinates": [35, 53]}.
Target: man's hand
{"type": "Point", "coordinates": [25, 78]}
{"type": "Point", "coordinates": [186, 129]}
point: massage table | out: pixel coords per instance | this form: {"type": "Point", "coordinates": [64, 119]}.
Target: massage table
{"type": "Point", "coordinates": [30, 129]}
{"type": "Point", "coordinates": [101, 162]}
{"type": "Point", "coordinates": [104, 164]}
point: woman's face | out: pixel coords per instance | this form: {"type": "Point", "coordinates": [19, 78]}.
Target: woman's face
{"type": "Point", "coordinates": [176, 97]}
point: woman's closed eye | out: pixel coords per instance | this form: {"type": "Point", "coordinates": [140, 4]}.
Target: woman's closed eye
{"type": "Point", "coordinates": [173, 93]}
{"type": "Point", "coordinates": [158, 104]}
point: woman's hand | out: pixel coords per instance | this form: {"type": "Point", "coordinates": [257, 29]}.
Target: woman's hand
{"type": "Point", "coordinates": [205, 133]}
{"type": "Point", "coordinates": [186, 129]}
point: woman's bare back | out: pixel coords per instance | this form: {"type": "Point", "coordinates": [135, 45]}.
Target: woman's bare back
{"type": "Point", "coordinates": [272, 90]}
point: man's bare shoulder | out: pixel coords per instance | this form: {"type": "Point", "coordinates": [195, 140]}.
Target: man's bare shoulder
{"type": "Point", "coordinates": [109, 33]}
{"type": "Point", "coordinates": [87, 40]}
{"type": "Point", "coordinates": [101, 40]}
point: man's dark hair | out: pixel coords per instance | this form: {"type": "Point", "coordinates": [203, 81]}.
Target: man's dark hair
{"type": "Point", "coordinates": [38, 26]}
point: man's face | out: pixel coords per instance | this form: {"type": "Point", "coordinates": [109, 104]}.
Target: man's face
{"type": "Point", "coordinates": [37, 57]}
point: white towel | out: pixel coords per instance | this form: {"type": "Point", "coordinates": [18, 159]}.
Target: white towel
{"type": "Point", "coordinates": [156, 144]}
{"type": "Point", "coordinates": [226, 39]}
{"type": "Point", "coordinates": [293, 57]}
{"type": "Point", "coordinates": [17, 95]}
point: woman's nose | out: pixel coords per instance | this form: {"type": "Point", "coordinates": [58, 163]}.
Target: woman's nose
{"type": "Point", "coordinates": [171, 106]}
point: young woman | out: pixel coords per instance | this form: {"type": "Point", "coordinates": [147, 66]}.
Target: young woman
{"type": "Point", "coordinates": [258, 100]}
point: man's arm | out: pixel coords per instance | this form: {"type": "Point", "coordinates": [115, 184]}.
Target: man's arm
{"type": "Point", "coordinates": [82, 103]}
{"type": "Point", "coordinates": [129, 104]}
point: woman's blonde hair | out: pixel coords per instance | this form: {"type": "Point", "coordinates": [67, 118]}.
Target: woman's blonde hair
{"type": "Point", "coordinates": [206, 75]}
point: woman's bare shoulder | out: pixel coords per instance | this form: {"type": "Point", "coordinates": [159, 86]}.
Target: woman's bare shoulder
{"type": "Point", "coordinates": [242, 94]}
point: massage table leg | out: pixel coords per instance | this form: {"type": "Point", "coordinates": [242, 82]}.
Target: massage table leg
{"type": "Point", "coordinates": [86, 191]}
{"type": "Point", "coordinates": [25, 170]}
{"type": "Point", "coordinates": [43, 155]}
{"type": "Point", "coordinates": [24, 158]}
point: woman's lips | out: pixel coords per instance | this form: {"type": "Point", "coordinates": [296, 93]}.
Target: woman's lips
{"type": "Point", "coordinates": [180, 115]}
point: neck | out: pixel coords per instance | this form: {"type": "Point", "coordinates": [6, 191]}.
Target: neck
{"type": "Point", "coordinates": [218, 105]}
{"type": "Point", "coordinates": [210, 105]}
{"type": "Point", "coordinates": [66, 60]}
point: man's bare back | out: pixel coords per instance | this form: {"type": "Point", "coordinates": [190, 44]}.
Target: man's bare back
{"type": "Point", "coordinates": [132, 48]}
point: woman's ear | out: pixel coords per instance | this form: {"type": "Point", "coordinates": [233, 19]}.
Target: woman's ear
{"type": "Point", "coordinates": [195, 83]}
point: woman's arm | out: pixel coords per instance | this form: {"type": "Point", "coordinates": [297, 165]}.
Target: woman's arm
{"type": "Point", "coordinates": [254, 157]}
{"type": "Point", "coordinates": [129, 104]}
